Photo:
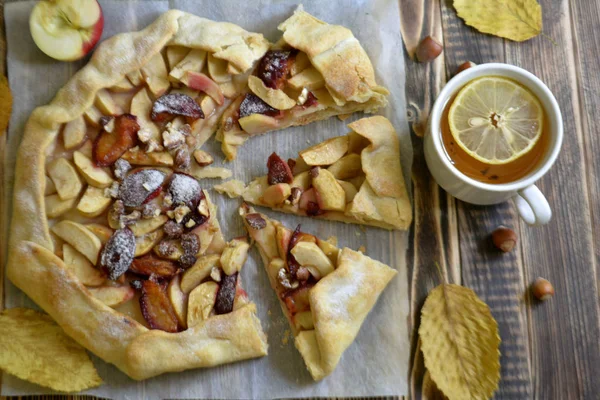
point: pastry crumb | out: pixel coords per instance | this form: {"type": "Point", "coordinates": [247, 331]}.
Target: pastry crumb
{"type": "Point", "coordinates": [357, 233]}
{"type": "Point", "coordinates": [286, 337]}
{"type": "Point", "coordinates": [343, 117]}
{"type": "Point", "coordinates": [362, 249]}
{"type": "Point", "coordinates": [233, 188]}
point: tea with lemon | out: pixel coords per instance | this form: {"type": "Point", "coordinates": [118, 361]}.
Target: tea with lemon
{"type": "Point", "coordinates": [494, 130]}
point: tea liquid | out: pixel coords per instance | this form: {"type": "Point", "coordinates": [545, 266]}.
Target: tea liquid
{"type": "Point", "coordinates": [488, 173]}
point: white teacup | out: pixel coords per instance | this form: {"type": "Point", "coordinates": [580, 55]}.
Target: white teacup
{"type": "Point", "coordinates": [531, 203]}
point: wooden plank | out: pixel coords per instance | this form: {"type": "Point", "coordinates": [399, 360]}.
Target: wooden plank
{"type": "Point", "coordinates": [497, 278]}
{"type": "Point", "coordinates": [585, 18]}
{"type": "Point", "coordinates": [434, 236]}
{"type": "Point", "coordinates": [564, 331]}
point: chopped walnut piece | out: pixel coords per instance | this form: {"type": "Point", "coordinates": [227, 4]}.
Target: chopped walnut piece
{"type": "Point", "coordinates": [185, 129]}
{"type": "Point", "coordinates": [203, 158]}
{"type": "Point", "coordinates": [215, 274]}
{"type": "Point", "coordinates": [128, 219]}
{"type": "Point", "coordinates": [165, 248]}
{"type": "Point", "coordinates": [190, 223]}
{"type": "Point", "coordinates": [173, 230]}
{"type": "Point", "coordinates": [295, 196]}
{"type": "Point", "coordinates": [303, 274]}
{"type": "Point", "coordinates": [286, 280]}
{"type": "Point", "coordinates": [118, 207]}
{"type": "Point", "coordinates": [137, 284]}
{"type": "Point", "coordinates": [150, 211]}
{"type": "Point", "coordinates": [187, 260]}
{"type": "Point", "coordinates": [190, 243]}
{"type": "Point", "coordinates": [168, 200]}
{"type": "Point", "coordinates": [172, 137]}
{"type": "Point", "coordinates": [180, 212]}
{"type": "Point", "coordinates": [120, 168]}
{"type": "Point", "coordinates": [112, 191]}
{"type": "Point", "coordinates": [203, 208]}
{"type": "Point", "coordinates": [182, 158]}
{"type": "Point", "coordinates": [153, 146]}
{"type": "Point", "coordinates": [144, 135]}
{"type": "Point", "coordinates": [256, 221]}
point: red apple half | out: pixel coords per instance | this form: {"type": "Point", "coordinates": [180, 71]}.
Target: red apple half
{"type": "Point", "coordinates": [66, 29]}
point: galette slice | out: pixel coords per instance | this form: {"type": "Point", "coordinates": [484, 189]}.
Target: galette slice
{"type": "Point", "coordinates": [356, 178]}
{"type": "Point", "coordinates": [314, 72]}
{"type": "Point", "coordinates": [325, 292]}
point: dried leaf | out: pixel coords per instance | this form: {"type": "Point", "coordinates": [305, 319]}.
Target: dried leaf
{"type": "Point", "coordinates": [33, 347]}
{"type": "Point", "coordinates": [460, 343]}
{"type": "Point", "coordinates": [516, 20]}
{"type": "Point", "coordinates": [5, 104]}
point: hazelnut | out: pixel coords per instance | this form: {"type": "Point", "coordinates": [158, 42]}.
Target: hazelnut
{"type": "Point", "coordinates": [465, 65]}
{"type": "Point", "coordinates": [542, 289]}
{"type": "Point", "coordinates": [428, 50]}
{"type": "Point", "coordinates": [504, 238]}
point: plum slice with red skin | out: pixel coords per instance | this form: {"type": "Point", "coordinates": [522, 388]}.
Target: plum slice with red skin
{"type": "Point", "coordinates": [296, 300]}
{"type": "Point", "coordinates": [175, 104]}
{"type": "Point", "coordinates": [149, 264]}
{"type": "Point", "coordinates": [279, 170]}
{"type": "Point", "coordinates": [226, 294]}
{"type": "Point", "coordinates": [118, 252]}
{"type": "Point", "coordinates": [252, 104]}
{"type": "Point", "coordinates": [184, 190]}
{"type": "Point", "coordinates": [110, 146]}
{"type": "Point", "coordinates": [156, 306]}
{"type": "Point", "coordinates": [141, 186]}
{"type": "Point", "coordinates": [275, 67]}
{"type": "Point", "coordinates": [293, 265]}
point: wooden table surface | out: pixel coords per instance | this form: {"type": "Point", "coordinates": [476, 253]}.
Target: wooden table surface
{"type": "Point", "coordinates": [550, 350]}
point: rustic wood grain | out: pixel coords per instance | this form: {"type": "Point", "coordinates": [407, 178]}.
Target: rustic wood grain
{"type": "Point", "coordinates": [565, 332]}
{"type": "Point", "coordinates": [497, 278]}
{"type": "Point", "coordinates": [434, 234]}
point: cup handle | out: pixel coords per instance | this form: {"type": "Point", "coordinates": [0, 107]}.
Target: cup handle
{"type": "Point", "coordinates": [533, 206]}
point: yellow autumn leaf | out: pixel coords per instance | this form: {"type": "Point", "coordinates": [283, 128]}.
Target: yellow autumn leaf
{"type": "Point", "coordinates": [516, 20]}
{"type": "Point", "coordinates": [34, 348]}
{"type": "Point", "coordinates": [460, 343]}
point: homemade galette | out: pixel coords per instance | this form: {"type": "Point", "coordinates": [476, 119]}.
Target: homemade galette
{"type": "Point", "coordinates": [112, 234]}
{"type": "Point", "coordinates": [356, 178]}
{"type": "Point", "coordinates": [325, 292]}
{"type": "Point", "coordinates": [313, 72]}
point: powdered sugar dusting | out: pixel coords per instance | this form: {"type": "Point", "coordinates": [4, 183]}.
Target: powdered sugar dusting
{"type": "Point", "coordinates": [118, 253]}
{"type": "Point", "coordinates": [137, 187]}
{"type": "Point", "coordinates": [184, 189]}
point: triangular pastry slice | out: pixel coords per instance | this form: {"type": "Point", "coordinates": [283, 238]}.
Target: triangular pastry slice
{"type": "Point", "coordinates": [325, 292]}
{"type": "Point", "coordinates": [355, 178]}
{"type": "Point", "coordinates": [314, 72]}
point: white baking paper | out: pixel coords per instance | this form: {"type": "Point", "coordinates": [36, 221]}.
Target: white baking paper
{"type": "Point", "coordinates": [377, 363]}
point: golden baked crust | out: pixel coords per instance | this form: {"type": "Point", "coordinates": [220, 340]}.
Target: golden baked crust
{"type": "Point", "coordinates": [337, 55]}
{"type": "Point", "coordinates": [34, 268]}
{"type": "Point", "coordinates": [339, 301]}
{"type": "Point", "coordinates": [382, 199]}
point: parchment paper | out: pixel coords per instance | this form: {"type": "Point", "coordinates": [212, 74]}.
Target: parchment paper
{"type": "Point", "coordinates": [377, 362]}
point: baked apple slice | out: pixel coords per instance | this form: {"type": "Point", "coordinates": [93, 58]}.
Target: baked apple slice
{"type": "Point", "coordinates": [109, 146]}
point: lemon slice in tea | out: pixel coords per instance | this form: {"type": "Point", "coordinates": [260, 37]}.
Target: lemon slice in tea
{"type": "Point", "coordinates": [496, 120]}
